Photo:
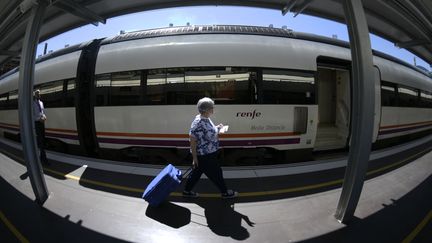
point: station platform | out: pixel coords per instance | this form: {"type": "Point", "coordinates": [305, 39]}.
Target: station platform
{"type": "Point", "coordinates": [99, 201]}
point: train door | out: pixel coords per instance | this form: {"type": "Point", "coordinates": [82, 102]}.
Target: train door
{"type": "Point", "coordinates": [334, 104]}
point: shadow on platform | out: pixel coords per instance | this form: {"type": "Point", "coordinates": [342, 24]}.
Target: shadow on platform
{"type": "Point", "coordinates": [55, 169]}
{"type": "Point", "coordinates": [38, 224]}
{"type": "Point", "coordinates": [393, 223]}
{"type": "Point", "coordinates": [170, 214]}
{"type": "Point", "coordinates": [223, 220]}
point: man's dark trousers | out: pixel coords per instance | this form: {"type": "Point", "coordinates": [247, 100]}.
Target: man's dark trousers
{"type": "Point", "coordinates": [40, 136]}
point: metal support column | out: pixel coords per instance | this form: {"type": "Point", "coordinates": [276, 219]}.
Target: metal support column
{"type": "Point", "coordinates": [362, 109]}
{"type": "Point", "coordinates": [26, 80]}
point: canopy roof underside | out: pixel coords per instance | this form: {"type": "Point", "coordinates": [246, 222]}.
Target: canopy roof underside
{"type": "Point", "coordinates": [407, 23]}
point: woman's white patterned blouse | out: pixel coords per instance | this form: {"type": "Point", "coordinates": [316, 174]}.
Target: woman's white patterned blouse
{"type": "Point", "coordinates": [206, 134]}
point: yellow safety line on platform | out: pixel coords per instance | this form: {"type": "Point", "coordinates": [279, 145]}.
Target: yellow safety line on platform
{"type": "Point", "coordinates": [392, 165]}
{"type": "Point", "coordinates": [419, 228]}
{"type": "Point", "coordinates": [241, 194]}
{"type": "Point", "coordinates": [77, 178]}
{"type": "Point", "coordinates": [12, 228]}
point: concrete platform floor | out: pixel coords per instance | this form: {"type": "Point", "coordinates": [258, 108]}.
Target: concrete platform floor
{"type": "Point", "coordinates": [394, 207]}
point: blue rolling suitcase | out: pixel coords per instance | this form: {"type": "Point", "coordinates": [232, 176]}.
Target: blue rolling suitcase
{"type": "Point", "coordinates": [161, 186]}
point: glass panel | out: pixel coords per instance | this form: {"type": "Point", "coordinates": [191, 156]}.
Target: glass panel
{"type": "Point", "coordinates": [103, 80]}
{"type": "Point", "coordinates": [226, 85]}
{"type": "Point", "coordinates": [426, 99]}
{"type": "Point", "coordinates": [408, 97]}
{"type": "Point", "coordinates": [13, 100]}
{"type": "Point", "coordinates": [388, 94]}
{"type": "Point", "coordinates": [174, 89]}
{"type": "Point", "coordinates": [156, 77]}
{"type": "Point", "coordinates": [287, 87]}
{"type": "Point", "coordinates": [407, 91]}
{"type": "Point", "coordinates": [426, 95]}
{"type": "Point", "coordinates": [3, 101]}
{"type": "Point", "coordinates": [70, 93]}
{"type": "Point", "coordinates": [51, 87]}
{"type": "Point", "coordinates": [71, 84]}
{"type": "Point", "coordinates": [126, 79]}
{"type": "Point", "coordinates": [13, 95]}
{"type": "Point", "coordinates": [52, 94]}
{"type": "Point", "coordinates": [175, 75]}
{"type": "Point", "coordinates": [282, 76]}
{"type": "Point", "coordinates": [125, 88]}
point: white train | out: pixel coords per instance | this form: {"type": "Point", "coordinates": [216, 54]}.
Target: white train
{"type": "Point", "coordinates": [281, 92]}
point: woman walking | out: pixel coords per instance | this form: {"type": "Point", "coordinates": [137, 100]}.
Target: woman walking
{"type": "Point", "coordinates": [204, 145]}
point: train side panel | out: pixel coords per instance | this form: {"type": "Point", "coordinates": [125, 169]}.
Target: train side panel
{"type": "Point", "coordinates": [250, 126]}
{"type": "Point", "coordinates": [61, 125]}
{"type": "Point", "coordinates": [399, 121]}
{"type": "Point", "coordinates": [9, 122]}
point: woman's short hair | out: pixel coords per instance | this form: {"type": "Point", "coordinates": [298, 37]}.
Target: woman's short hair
{"type": "Point", "coordinates": [205, 104]}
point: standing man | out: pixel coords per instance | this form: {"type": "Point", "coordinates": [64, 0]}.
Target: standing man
{"type": "Point", "coordinates": [40, 118]}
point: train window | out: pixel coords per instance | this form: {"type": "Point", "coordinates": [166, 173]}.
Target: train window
{"type": "Point", "coordinates": [287, 87]}
{"type": "Point", "coordinates": [69, 98]}
{"type": "Point", "coordinates": [408, 97]}
{"type": "Point", "coordinates": [226, 85]}
{"type": "Point", "coordinates": [52, 94]}
{"type": "Point", "coordinates": [3, 101]}
{"type": "Point", "coordinates": [125, 88]}
{"type": "Point", "coordinates": [175, 75]}
{"type": "Point", "coordinates": [426, 99]}
{"type": "Point", "coordinates": [156, 77]}
{"type": "Point", "coordinates": [13, 100]}
{"type": "Point", "coordinates": [388, 94]}
{"type": "Point", "coordinates": [175, 86]}
{"type": "Point", "coordinates": [126, 79]}
{"type": "Point", "coordinates": [156, 80]}
{"type": "Point", "coordinates": [102, 83]}
{"type": "Point", "coordinates": [103, 80]}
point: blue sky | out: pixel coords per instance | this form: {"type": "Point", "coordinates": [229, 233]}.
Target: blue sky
{"type": "Point", "coordinates": [209, 15]}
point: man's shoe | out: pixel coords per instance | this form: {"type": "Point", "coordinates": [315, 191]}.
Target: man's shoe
{"type": "Point", "coordinates": [229, 194]}
{"type": "Point", "coordinates": [190, 194]}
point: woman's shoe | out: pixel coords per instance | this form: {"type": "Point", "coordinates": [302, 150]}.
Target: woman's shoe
{"type": "Point", "coordinates": [229, 194]}
{"type": "Point", "coordinates": [190, 194]}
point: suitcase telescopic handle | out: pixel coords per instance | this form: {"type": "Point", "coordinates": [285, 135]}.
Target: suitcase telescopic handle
{"type": "Point", "coordinates": [187, 172]}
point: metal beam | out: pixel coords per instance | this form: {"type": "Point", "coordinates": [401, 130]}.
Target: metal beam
{"type": "Point", "coordinates": [412, 43]}
{"type": "Point", "coordinates": [302, 7]}
{"type": "Point", "coordinates": [408, 16]}
{"type": "Point", "coordinates": [25, 102]}
{"type": "Point", "coordinates": [290, 4]}
{"type": "Point", "coordinates": [9, 53]}
{"type": "Point", "coordinates": [8, 9]}
{"type": "Point", "coordinates": [10, 22]}
{"type": "Point", "coordinates": [363, 102]}
{"type": "Point", "coordinates": [76, 9]}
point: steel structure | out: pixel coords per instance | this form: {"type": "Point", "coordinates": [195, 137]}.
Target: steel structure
{"type": "Point", "coordinates": [407, 23]}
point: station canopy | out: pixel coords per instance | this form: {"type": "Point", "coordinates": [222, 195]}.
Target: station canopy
{"type": "Point", "coordinates": [406, 23]}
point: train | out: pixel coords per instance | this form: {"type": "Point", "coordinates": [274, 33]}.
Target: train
{"type": "Point", "coordinates": [285, 95]}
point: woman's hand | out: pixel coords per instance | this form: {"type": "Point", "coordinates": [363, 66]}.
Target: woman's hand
{"type": "Point", "coordinates": [193, 144]}
{"type": "Point", "coordinates": [195, 163]}
{"type": "Point", "coordinates": [219, 127]}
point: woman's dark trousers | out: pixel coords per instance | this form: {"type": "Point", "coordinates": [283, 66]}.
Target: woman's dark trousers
{"type": "Point", "coordinates": [209, 165]}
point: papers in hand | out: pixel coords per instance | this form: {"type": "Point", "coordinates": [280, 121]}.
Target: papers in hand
{"type": "Point", "coordinates": [224, 129]}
